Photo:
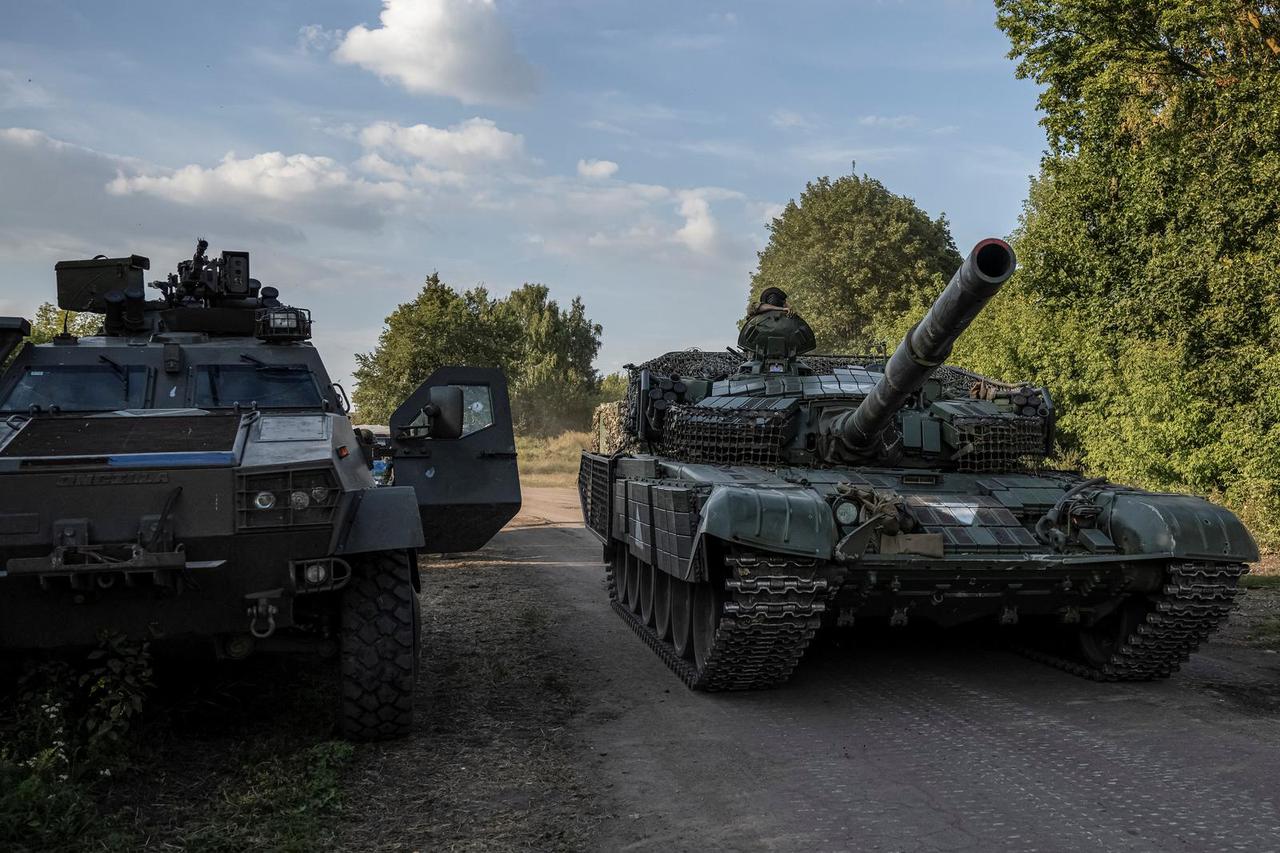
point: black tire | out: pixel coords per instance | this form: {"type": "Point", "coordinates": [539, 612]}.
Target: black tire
{"type": "Point", "coordinates": [633, 584]}
{"type": "Point", "coordinates": [662, 605]}
{"type": "Point", "coordinates": [706, 618]}
{"type": "Point", "coordinates": [682, 617]}
{"type": "Point", "coordinates": [1104, 639]}
{"type": "Point", "coordinates": [647, 572]}
{"type": "Point", "coordinates": [378, 655]}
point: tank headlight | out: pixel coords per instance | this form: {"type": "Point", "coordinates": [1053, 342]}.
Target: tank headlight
{"type": "Point", "coordinates": [846, 513]}
{"type": "Point", "coordinates": [316, 573]}
{"type": "Point", "coordinates": [299, 500]}
{"type": "Point", "coordinates": [264, 500]}
{"type": "Point", "coordinates": [319, 494]}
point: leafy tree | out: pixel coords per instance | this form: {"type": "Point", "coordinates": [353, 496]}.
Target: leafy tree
{"type": "Point", "coordinates": [613, 388]}
{"type": "Point", "coordinates": [545, 351]}
{"type": "Point", "coordinates": [1150, 243]}
{"type": "Point", "coordinates": [854, 259]}
{"type": "Point", "coordinates": [553, 383]}
{"type": "Point", "coordinates": [48, 324]}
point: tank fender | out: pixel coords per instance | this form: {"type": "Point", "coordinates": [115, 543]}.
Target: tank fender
{"type": "Point", "coordinates": [1183, 526]}
{"type": "Point", "coordinates": [783, 520]}
{"type": "Point", "coordinates": [380, 519]}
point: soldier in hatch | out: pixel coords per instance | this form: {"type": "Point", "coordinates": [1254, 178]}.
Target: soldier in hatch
{"type": "Point", "coordinates": [774, 334]}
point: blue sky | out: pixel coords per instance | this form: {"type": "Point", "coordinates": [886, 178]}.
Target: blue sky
{"type": "Point", "coordinates": [627, 152]}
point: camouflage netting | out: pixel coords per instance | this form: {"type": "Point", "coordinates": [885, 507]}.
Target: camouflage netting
{"type": "Point", "coordinates": [695, 364]}
{"type": "Point", "coordinates": [726, 437]}
{"type": "Point", "coordinates": [609, 434]}
{"type": "Point", "coordinates": [999, 444]}
{"type": "Point", "coordinates": [756, 438]}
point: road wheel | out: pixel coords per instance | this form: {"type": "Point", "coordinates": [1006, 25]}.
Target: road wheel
{"type": "Point", "coordinates": [682, 617]}
{"type": "Point", "coordinates": [662, 604]}
{"type": "Point", "coordinates": [378, 659]}
{"type": "Point", "coordinates": [633, 584]}
{"type": "Point", "coordinates": [647, 571]}
{"type": "Point", "coordinates": [1104, 638]}
{"type": "Point", "coordinates": [706, 618]}
{"type": "Point", "coordinates": [620, 575]}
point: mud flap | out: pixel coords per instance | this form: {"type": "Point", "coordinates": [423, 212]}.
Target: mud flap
{"type": "Point", "coordinates": [467, 487]}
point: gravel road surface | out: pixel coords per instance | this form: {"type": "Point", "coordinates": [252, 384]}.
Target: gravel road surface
{"type": "Point", "coordinates": [549, 725]}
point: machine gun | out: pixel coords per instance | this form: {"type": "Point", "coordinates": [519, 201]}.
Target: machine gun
{"type": "Point", "coordinates": [204, 295]}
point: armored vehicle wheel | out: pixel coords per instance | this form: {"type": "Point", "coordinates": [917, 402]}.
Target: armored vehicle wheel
{"type": "Point", "coordinates": [1148, 636]}
{"type": "Point", "coordinates": [633, 584]}
{"type": "Point", "coordinates": [618, 570]}
{"type": "Point", "coordinates": [646, 582]}
{"type": "Point", "coordinates": [682, 617]}
{"type": "Point", "coordinates": [662, 605]}
{"type": "Point", "coordinates": [707, 602]}
{"type": "Point", "coordinates": [1105, 638]}
{"type": "Point", "coordinates": [378, 658]}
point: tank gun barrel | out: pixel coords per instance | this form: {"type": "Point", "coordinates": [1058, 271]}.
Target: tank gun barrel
{"type": "Point", "coordinates": [929, 342]}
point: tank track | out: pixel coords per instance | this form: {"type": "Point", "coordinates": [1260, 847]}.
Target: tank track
{"type": "Point", "coordinates": [770, 612]}
{"type": "Point", "coordinates": [1194, 600]}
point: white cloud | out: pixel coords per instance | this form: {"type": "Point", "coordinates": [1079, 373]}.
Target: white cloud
{"type": "Point", "coordinates": [596, 169]}
{"type": "Point", "coordinates": [699, 231]}
{"type": "Point", "coordinates": [455, 48]}
{"type": "Point", "coordinates": [17, 91]}
{"type": "Point", "coordinates": [315, 38]}
{"type": "Point", "coordinates": [894, 122]}
{"type": "Point", "coordinates": [271, 176]}
{"type": "Point", "coordinates": [789, 119]}
{"type": "Point", "coordinates": [473, 142]}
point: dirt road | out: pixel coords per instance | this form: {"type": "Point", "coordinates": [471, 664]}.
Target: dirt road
{"type": "Point", "coordinates": [549, 725]}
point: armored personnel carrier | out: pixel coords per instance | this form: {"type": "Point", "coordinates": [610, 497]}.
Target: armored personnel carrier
{"type": "Point", "coordinates": [765, 493]}
{"type": "Point", "coordinates": [191, 472]}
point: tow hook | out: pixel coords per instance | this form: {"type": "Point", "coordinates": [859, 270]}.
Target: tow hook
{"type": "Point", "coordinates": [262, 612]}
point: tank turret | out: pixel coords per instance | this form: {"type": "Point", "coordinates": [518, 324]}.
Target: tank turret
{"type": "Point", "coordinates": [929, 342]}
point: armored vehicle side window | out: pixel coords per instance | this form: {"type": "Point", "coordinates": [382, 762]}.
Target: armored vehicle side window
{"type": "Point", "coordinates": [288, 386]}
{"type": "Point", "coordinates": [79, 388]}
{"type": "Point", "coordinates": [477, 408]}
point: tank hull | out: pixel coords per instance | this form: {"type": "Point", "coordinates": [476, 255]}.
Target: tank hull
{"type": "Point", "coordinates": [1128, 596]}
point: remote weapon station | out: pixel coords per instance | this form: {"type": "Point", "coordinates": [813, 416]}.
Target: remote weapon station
{"type": "Point", "coordinates": [764, 493]}
{"type": "Point", "coordinates": [191, 472]}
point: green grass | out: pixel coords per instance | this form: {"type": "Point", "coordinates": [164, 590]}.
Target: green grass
{"type": "Point", "coordinates": [551, 461]}
{"type": "Point", "coordinates": [1252, 581]}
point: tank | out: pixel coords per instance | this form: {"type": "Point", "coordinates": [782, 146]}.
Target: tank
{"type": "Point", "coordinates": [762, 494]}
{"type": "Point", "coordinates": [191, 475]}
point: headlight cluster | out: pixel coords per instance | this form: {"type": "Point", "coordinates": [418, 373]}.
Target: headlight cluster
{"type": "Point", "coordinates": [846, 512]}
{"type": "Point", "coordinates": [287, 498]}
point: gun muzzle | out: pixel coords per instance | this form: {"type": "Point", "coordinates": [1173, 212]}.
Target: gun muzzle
{"type": "Point", "coordinates": [929, 342]}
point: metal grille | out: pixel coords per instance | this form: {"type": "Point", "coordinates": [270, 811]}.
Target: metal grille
{"type": "Point", "coordinates": [726, 437]}
{"type": "Point", "coordinates": [103, 436]}
{"type": "Point", "coordinates": [999, 444]}
{"type": "Point", "coordinates": [594, 482]}
{"type": "Point", "coordinates": [695, 364]}
{"type": "Point", "coordinates": [317, 485]}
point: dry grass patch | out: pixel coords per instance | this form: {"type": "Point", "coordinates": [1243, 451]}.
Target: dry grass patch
{"type": "Point", "coordinates": [551, 461]}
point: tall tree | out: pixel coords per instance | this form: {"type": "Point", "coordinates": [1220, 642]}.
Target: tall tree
{"type": "Point", "coordinates": [1150, 243]}
{"type": "Point", "coordinates": [553, 383]}
{"type": "Point", "coordinates": [50, 321]}
{"type": "Point", "coordinates": [854, 258]}
{"type": "Point", "coordinates": [440, 326]}
{"type": "Point", "coordinates": [546, 352]}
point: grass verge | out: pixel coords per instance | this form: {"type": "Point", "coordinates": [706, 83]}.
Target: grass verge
{"type": "Point", "coordinates": [551, 461]}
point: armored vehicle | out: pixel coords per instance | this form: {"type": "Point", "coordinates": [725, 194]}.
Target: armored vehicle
{"type": "Point", "coordinates": [191, 472]}
{"type": "Point", "coordinates": [766, 493]}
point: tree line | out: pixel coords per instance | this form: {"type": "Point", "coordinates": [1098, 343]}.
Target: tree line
{"type": "Point", "coordinates": [546, 351]}
{"type": "Point", "coordinates": [1148, 290]}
